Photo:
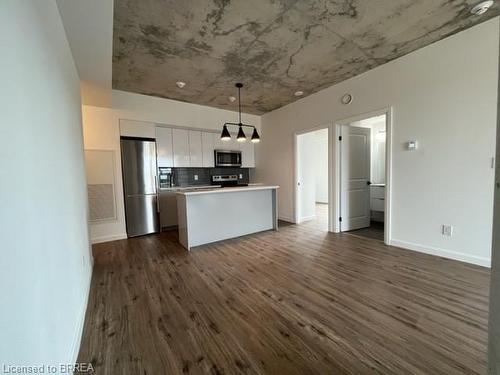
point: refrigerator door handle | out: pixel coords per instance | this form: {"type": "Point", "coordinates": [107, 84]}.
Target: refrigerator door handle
{"type": "Point", "coordinates": [157, 195]}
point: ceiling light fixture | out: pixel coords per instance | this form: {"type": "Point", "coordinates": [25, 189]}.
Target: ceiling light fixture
{"type": "Point", "coordinates": [241, 135]}
{"type": "Point", "coordinates": [299, 93]}
{"type": "Point", "coordinates": [255, 136]}
{"type": "Point", "coordinates": [180, 84]}
{"type": "Point", "coordinates": [226, 136]}
{"type": "Point", "coordinates": [482, 7]}
{"type": "Point", "coordinates": [232, 99]}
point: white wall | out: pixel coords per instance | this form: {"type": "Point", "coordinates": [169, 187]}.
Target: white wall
{"type": "Point", "coordinates": [321, 165]}
{"type": "Point", "coordinates": [101, 131]}
{"type": "Point", "coordinates": [306, 157]}
{"type": "Point", "coordinates": [494, 315]}
{"type": "Point", "coordinates": [45, 253]}
{"type": "Point", "coordinates": [444, 96]}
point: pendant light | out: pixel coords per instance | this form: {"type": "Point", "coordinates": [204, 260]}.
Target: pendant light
{"type": "Point", "coordinates": [255, 136]}
{"type": "Point", "coordinates": [241, 137]}
{"type": "Point", "coordinates": [225, 136]}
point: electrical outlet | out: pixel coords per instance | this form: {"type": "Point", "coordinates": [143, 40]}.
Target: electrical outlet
{"type": "Point", "coordinates": [241, 176]}
{"type": "Point", "coordinates": [447, 230]}
{"type": "Point", "coordinates": [196, 177]}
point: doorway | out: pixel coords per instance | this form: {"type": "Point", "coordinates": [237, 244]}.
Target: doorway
{"type": "Point", "coordinates": [312, 175]}
{"type": "Point", "coordinates": [362, 176]}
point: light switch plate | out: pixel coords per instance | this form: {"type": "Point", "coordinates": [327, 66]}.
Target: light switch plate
{"type": "Point", "coordinates": [241, 176]}
{"type": "Point", "coordinates": [196, 177]}
{"type": "Point", "coordinates": [411, 145]}
{"type": "Point", "coordinates": [447, 230]}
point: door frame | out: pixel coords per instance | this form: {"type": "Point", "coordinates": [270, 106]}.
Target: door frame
{"type": "Point", "coordinates": [334, 204]}
{"type": "Point", "coordinates": [330, 127]}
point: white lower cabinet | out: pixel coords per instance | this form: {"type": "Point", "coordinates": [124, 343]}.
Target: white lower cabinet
{"type": "Point", "coordinates": [168, 208]}
{"type": "Point", "coordinates": [377, 198]}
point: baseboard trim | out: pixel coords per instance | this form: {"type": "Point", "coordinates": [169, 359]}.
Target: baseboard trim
{"type": "Point", "coordinates": [109, 238]}
{"type": "Point", "coordinates": [286, 218]}
{"type": "Point", "coordinates": [480, 261]}
{"type": "Point", "coordinates": [77, 340]}
{"type": "Point", "coordinates": [306, 218]}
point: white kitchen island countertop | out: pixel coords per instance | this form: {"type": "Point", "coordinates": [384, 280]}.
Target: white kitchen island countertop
{"type": "Point", "coordinates": [215, 214]}
{"type": "Point", "coordinates": [219, 190]}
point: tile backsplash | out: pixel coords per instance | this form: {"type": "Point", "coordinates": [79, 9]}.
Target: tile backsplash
{"type": "Point", "coordinates": [186, 176]}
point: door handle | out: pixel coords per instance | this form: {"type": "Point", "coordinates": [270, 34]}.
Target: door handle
{"type": "Point", "coordinates": [157, 195]}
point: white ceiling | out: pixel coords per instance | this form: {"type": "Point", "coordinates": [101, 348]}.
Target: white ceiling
{"type": "Point", "coordinates": [89, 29]}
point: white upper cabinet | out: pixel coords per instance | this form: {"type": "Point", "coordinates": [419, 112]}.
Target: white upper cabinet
{"type": "Point", "coordinates": [183, 148]}
{"type": "Point", "coordinates": [164, 150]}
{"type": "Point", "coordinates": [207, 144]}
{"type": "Point", "coordinates": [230, 145]}
{"type": "Point", "coordinates": [247, 154]}
{"type": "Point", "coordinates": [219, 144]}
{"type": "Point", "coordinates": [195, 149]}
{"type": "Point", "coordinates": [180, 140]}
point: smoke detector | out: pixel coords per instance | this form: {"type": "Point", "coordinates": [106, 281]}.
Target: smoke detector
{"type": "Point", "coordinates": [481, 8]}
{"type": "Point", "coordinates": [298, 93]}
{"type": "Point", "coordinates": [231, 99]}
{"type": "Point", "coordinates": [180, 84]}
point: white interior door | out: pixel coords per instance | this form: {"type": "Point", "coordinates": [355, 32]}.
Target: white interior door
{"type": "Point", "coordinates": [354, 178]}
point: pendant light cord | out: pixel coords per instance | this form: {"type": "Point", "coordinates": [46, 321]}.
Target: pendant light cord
{"type": "Point", "coordinates": [239, 102]}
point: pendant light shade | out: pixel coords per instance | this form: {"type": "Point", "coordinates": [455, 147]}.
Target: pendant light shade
{"type": "Point", "coordinates": [241, 135]}
{"type": "Point", "coordinates": [255, 136]}
{"type": "Point", "coordinates": [225, 136]}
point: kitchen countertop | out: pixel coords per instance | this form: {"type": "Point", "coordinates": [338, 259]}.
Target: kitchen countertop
{"type": "Point", "coordinates": [175, 188]}
{"type": "Point", "coordinates": [211, 190]}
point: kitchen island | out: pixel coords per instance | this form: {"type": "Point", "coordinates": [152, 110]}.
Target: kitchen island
{"type": "Point", "coordinates": [210, 215]}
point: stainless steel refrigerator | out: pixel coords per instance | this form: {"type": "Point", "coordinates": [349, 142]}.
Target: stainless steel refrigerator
{"type": "Point", "coordinates": [139, 185]}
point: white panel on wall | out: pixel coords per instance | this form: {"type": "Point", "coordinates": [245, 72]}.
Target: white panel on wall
{"type": "Point", "coordinates": [100, 166]}
{"type": "Point", "coordinates": [132, 128]}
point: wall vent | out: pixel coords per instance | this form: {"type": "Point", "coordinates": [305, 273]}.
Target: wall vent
{"type": "Point", "coordinates": [100, 167]}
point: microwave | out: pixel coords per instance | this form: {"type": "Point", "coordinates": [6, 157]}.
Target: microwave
{"type": "Point", "coordinates": [224, 158]}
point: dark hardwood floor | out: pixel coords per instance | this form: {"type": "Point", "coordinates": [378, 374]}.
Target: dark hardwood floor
{"type": "Point", "coordinates": [374, 231]}
{"type": "Point", "coordinates": [297, 301]}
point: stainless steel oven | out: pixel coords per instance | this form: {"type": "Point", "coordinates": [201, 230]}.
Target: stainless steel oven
{"type": "Point", "coordinates": [224, 158]}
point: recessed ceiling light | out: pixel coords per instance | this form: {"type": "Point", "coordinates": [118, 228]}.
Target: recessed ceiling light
{"type": "Point", "coordinates": [232, 99]}
{"type": "Point", "coordinates": [180, 84]}
{"type": "Point", "coordinates": [482, 7]}
{"type": "Point", "coordinates": [299, 93]}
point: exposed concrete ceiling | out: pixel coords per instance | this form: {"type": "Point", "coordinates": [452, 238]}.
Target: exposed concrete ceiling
{"type": "Point", "coordinates": [275, 47]}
